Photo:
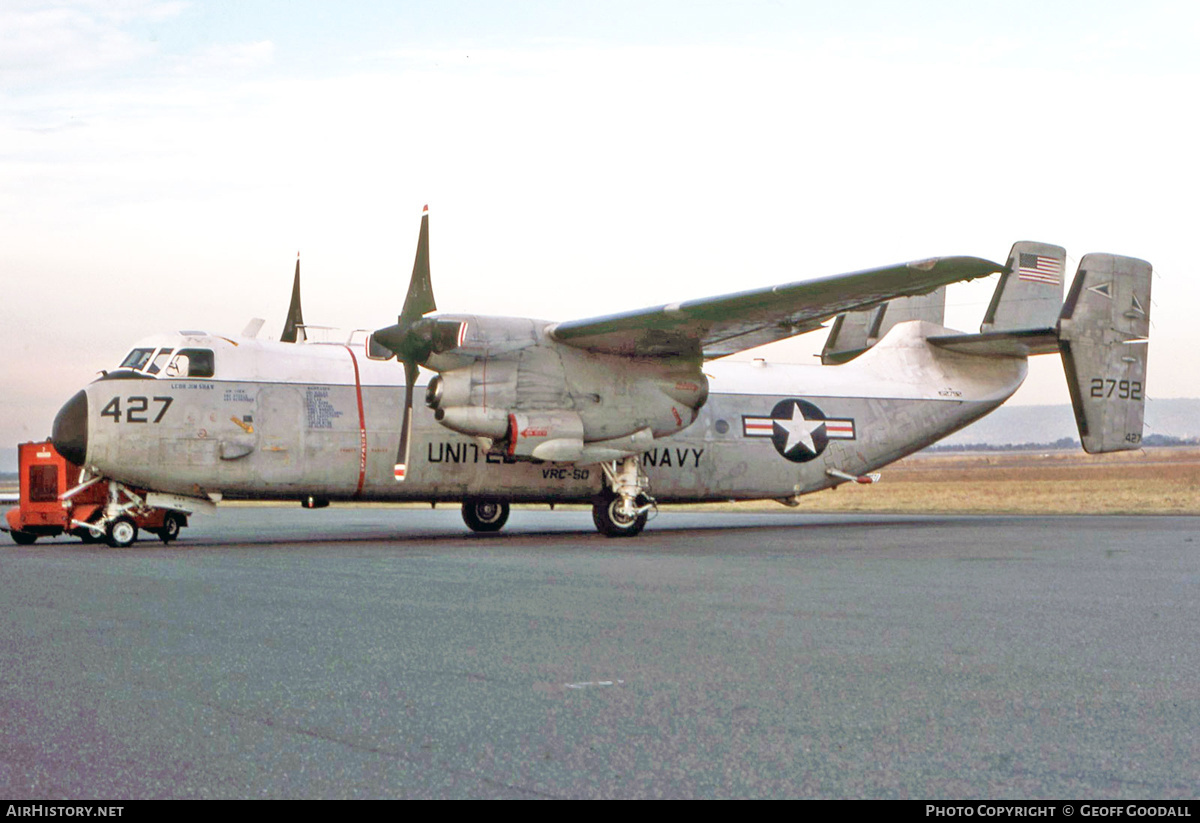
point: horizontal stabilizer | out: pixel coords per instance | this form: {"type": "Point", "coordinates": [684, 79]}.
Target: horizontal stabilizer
{"type": "Point", "coordinates": [1000, 343]}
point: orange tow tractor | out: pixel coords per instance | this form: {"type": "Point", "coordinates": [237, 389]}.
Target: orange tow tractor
{"type": "Point", "coordinates": [55, 498]}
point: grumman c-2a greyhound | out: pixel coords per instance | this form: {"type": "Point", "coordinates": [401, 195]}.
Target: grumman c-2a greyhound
{"type": "Point", "coordinates": [623, 411]}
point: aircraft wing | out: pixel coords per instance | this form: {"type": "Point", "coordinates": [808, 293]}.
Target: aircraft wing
{"type": "Point", "coordinates": [719, 326]}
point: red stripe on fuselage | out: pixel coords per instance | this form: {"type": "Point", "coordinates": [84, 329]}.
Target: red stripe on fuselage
{"type": "Point", "coordinates": [362, 427]}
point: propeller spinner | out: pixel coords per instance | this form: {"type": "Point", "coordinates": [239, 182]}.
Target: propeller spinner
{"type": "Point", "coordinates": [411, 338]}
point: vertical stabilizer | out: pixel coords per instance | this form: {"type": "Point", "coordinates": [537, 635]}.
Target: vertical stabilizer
{"type": "Point", "coordinates": [854, 332]}
{"type": "Point", "coordinates": [1030, 291]}
{"type": "Point", "coordinates": [1103, 332]}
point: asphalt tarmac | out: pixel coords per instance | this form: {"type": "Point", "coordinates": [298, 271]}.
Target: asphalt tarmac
{"type": "Point", "coordinates": [283, 653]}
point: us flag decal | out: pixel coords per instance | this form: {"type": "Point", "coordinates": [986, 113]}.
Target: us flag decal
{"type": "Point", "coordinates": [1039, 268]}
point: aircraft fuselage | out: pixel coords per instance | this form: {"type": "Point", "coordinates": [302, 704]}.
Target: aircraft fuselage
{"type": "Point", "coordinates": [292, 421]}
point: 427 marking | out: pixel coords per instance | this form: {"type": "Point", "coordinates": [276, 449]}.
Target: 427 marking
{"type": "Point", "coordinates": [136, 409]}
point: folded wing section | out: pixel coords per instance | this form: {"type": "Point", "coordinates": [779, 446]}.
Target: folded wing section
{"type": "Point", "coordinates": [719, 326]}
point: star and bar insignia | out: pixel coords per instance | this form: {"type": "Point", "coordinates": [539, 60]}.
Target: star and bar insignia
{"type": "Point", "coordinates": [799, 430]}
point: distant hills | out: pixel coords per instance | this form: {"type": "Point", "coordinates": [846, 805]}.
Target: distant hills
{"type": "Point", "coordinates": [1014, 425]}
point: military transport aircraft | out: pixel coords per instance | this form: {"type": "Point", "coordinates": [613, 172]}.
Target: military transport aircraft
{"type": "Point", "coordinates": [623, 411]}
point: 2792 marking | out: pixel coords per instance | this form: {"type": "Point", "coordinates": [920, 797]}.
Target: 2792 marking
{"type": "Point", "coordinates": [1125, 389]}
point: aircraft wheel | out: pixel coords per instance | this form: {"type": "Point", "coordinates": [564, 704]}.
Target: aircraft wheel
{"type": "Point", "coordinates": [24, 538]}
{"type": "Point", "coordinates": [484, 515]}
{"type": "Point", "coordinates": [122, 532]}
{"type": "Point", "coordinates": [173, 523]}
{"type": "Point", "coordinates": [610, 522]}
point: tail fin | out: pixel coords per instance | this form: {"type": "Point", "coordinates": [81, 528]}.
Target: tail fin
{"type": "Point", "coordinates": [855, 332]}
{"type": "Point", "coordinates": [1102, 335]}
{"type": "Point", "coordinates": [1030, 290]}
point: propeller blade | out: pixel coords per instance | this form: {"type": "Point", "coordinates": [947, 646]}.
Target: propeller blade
{"type": "Point", "coordinates": [419, 300]}
{"type": "Point", "coordinates": [294, 327]}
{"type": "Point", "coordinates": [412, 338]}
{"type": "Point", "coordinates": [400, 470]}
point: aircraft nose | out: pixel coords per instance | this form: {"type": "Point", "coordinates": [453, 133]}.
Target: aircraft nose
{"type": "Point", "coordinates": [69, 434]}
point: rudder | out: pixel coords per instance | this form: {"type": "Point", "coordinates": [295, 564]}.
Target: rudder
{"type": "Point", "coordinates": [1103, 330]}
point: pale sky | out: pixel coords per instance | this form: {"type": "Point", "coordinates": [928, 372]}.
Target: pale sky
{"type": "Point", "coordinates": [161, 163]}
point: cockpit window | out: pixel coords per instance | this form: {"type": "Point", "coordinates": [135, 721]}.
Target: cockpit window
{"type": "Point", "coordinates": [148, 361]}
{"type": "Point", "coordinates": [159, 361]}
{"type": "Point", "coordinates": [191, 363]}
{"type": "Point", "coordinates": [137, 359]}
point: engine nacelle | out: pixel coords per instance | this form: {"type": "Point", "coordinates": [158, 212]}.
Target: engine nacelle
{"type": "Point", "coordinates": [486, 383]}
{"type": "Point", "coordinates": [561, 404]}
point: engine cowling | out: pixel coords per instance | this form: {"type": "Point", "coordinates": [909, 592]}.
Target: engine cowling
{"type": "Point", "coordinates": [485, 383]}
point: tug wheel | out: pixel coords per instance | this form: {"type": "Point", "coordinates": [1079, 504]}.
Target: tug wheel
{"type": "Point", "coordinates": [173, 523]}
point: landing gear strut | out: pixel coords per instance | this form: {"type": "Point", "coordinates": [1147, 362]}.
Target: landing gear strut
{"type": "Point", "coordinates": [125, 514]}
{"type": "Point", "coordinates": [623, 506]}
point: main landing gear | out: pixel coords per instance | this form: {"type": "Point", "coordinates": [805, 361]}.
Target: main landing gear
{"type": "Point", "coordinates": [620, 509]}
{"type": "Point", "coordinates": [484, 515]}
{"type": "Point", "coordinates": [624, 504]}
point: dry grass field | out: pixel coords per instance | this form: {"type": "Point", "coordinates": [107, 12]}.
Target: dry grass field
{"type": "Point", "coordinates": [1148, 481]}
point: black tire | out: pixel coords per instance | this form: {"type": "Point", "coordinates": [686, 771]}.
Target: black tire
{"type": "Point", "coordinates": [484, 515]}
{"type": "Point", "coordinates": [609, 521]}
{"type": "Point", "coordinates": [24, 538]}
{"type": "Point", "coordinates": [173, 523]}
{"type": "Point", "coordinates": [122, 532]}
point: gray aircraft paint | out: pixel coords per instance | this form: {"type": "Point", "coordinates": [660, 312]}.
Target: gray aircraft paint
{"type": "Point", "coordinates": [610, 409]}
{"type": "Point", "coordinates": [308, 438]}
